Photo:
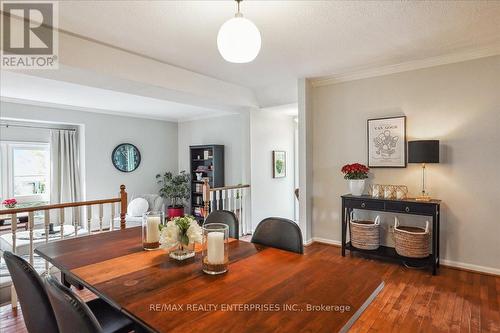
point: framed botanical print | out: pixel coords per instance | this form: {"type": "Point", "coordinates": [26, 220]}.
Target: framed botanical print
{"type": "Point", "coordinates": [279, 164]}
{"type": "Point", "coordinates": [387, 142]}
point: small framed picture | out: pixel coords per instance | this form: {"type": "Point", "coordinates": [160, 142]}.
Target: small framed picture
{"type": "Point", "coordinates": [279, 164]}
{"type": "Point", "coordinates": [387, 142]}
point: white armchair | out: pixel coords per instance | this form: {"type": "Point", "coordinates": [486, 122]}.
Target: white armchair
{"type": "Point", "coordinates": [136, 208]}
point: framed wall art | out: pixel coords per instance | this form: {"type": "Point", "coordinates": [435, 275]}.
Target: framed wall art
{"type": "Point", "coordinates": [387, 142]}
{"type": "Point", "coordinates": [279, 164]}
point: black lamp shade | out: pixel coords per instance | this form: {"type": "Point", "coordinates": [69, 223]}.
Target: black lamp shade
{"type": "Point", "coordinates": [423, 151]}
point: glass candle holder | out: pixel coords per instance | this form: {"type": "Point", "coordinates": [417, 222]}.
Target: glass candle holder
{"type": "Point", "coordinates": [389, 192]}
{"type": "Point", "coordinates": [401, 192]}
{"type": "Point", "coordinates": [214, 256]}
{"type": "Point", "coordinates": [151, 224]}
{"type": "Point", "coordinates": [375, 190]}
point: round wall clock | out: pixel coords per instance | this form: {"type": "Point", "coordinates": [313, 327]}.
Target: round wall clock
{"type": "Point", "coordinates": [126, 157]}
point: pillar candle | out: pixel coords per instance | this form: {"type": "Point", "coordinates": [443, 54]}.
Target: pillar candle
{"type": "Point", "coordinates": [153, 229]}
{"type": "Point", "coordinates": [215, 247]}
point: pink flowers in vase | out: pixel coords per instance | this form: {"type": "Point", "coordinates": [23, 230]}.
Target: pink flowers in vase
{"type": "Point", "coordinates": [9, 203]}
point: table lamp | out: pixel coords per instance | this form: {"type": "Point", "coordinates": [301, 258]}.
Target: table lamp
{"type": "Point", "coordinates": [423, 151]}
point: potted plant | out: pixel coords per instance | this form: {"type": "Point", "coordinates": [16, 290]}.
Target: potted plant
{"type": "Point", "coordinates": [176, 189]}
{"type": "Point", "coordinates": [356, 174]}
{"type": "Point", "coordinates": [9, 203]}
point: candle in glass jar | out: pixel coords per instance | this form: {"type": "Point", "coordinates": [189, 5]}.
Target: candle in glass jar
{"type": "Point", "coordinates": [153, 229]}
{"type": "Point", "coordinates": [215, 247]}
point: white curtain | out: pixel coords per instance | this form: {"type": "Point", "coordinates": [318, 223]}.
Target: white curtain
{"type": "Point", "coordinates": [65, 168]}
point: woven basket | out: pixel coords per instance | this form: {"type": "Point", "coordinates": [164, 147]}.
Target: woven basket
{"type": "Point", "coordinates": [365, 234]}
{"type": "Point", "coordinates": [412, 242]}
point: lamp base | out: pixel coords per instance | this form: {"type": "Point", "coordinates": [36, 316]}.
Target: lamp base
{"type": "Point", "coordinates": [423, 198]}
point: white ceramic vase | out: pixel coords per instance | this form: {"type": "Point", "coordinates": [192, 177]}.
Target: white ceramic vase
{"type": "Point", "coordinates": [357, 186]}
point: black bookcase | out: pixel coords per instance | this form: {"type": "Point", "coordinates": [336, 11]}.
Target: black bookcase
{"type": "Point", "coordinates": [208, 160]}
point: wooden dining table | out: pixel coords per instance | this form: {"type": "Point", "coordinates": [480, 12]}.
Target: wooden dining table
{"type": "Point", "coordinates": [264, 290]}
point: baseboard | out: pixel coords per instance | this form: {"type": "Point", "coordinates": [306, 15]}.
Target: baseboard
{"type": "Point", "coordinates": [444, 262]}
{"type": "Point", "coordinates": [327, 241]}
{"type": "Point", "coordinates": [470, 267]}
{"type": "Point", "coordinates": [308, 242]}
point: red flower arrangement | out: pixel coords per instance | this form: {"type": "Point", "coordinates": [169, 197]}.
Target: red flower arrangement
{"type": "Point", "coordinates": [9, 203]}
{"type": "Point", "coordinates": [355, 171]}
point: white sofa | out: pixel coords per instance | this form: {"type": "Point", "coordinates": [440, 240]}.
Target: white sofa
{"type": "Point", "coordinates": [155, 203]}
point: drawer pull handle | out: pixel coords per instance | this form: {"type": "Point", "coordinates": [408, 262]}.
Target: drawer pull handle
{"type": "Point", "coordinates": [407, 209]}
{"type": "Point", "coordinates": [363, 205]}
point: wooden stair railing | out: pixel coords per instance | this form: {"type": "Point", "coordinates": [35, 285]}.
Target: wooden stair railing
{"type": "Point", "coordinates": [231, 198]}
{"type": "Point", "coordinates": [75, 206]}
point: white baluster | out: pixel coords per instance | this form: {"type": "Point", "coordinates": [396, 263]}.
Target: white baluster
{"type": "Point", "coordinates": [223, 194]}
{"type": "Point", "coordinates": [243, 225]}
{"type": "Point", "coordinates": [89, 218]}
{"type": "Point", "coordinates": [76, 212]}
{"type": "Point", "coordinates": [229, 198]}
{"type": "Point", "coordinates": [238, 205]}
{"type": "Point", "coordinates": [112, 222]}
{"type": "Point", "coordinates": [101, 213]}
{"type": "Point", "coordinates": [211, 202]}
{"type": "Point", "coordinates": [46, 222]}
{"type": "Point", "coordinates": [31, 224]}
{"type": "Point", "coordinates": [61, 225]}
{"type": "Point", "coordinates": [13, 226]}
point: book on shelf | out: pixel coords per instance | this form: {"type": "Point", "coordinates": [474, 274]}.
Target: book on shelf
{"type": "Point", "coordinates": [199, 211]}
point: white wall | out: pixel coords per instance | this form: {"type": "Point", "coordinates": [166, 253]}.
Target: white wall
{"type": "Point", "coordinates": [156, 140]}
{"type": "Point", "coordinates": [24, 134]}
{"type": "Point", "coordinates": [458, 104]}
{"type": "Point", "coordinates": [305, 141]}
{"type": "Point", "coordinates": [270, 196]}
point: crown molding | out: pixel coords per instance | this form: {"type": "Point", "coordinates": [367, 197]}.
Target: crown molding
{"type": "Point", "coordinates": [406, 66]}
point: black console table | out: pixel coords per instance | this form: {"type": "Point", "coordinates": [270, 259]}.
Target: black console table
{"type": "Point", "coordinates": [408, 206]}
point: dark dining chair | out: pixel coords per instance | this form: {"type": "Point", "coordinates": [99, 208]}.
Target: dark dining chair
{"type": "Point", "coordinates": [74, 315]}
{"type": "Point", "coordinates": [37, 311]}
{"type": "Point", "coordinates": [279, 233]}
{"type": "Point", "coordinates": [225, 217]}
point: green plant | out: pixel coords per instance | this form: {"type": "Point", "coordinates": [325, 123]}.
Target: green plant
{"type": "Point", "coordinates": [174, 187]}
{"type": "Point", "coordinates": [183, 224]}
{"type": "Point", "coordinates": [279, 166]}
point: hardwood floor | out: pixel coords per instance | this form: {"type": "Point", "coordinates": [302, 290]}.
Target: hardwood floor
{"type": "Point", "coordinates": [412, 300]}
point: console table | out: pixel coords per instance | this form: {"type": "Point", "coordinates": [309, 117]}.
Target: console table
{"type": "Point", "coordinates": [408, 206]}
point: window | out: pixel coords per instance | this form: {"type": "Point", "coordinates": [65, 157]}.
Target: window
{"type": "Point", "coordinates": [27, 171]}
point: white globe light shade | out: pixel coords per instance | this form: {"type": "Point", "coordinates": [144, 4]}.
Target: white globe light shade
{"type": "Point", "coordinates": [239, 40]}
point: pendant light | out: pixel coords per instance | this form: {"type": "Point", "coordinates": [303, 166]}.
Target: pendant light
{"type": "Point", "coordinates": [239, 39]}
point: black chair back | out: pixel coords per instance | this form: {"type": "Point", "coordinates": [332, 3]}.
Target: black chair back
{"type": "Point", "coordinates": [279, 233]}
{"type": "Point", "coordinates": [225, 217]}
{"type": "Point", "coordinates": [72, 314]}
{"type": "Point", "coordinates": [37, 311]}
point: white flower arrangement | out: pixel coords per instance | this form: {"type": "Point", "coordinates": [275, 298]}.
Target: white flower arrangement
{"type": "Point", "coordinates": [180, 231]}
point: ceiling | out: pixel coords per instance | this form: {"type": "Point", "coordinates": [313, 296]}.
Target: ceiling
{"type": "Point", "coordinates": [28, 89]}
{"type": "Point", "coordinates": [299, 38]}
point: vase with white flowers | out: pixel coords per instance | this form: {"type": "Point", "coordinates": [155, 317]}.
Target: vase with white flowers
{"type": "Point", "coordinates": [181, 233]}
